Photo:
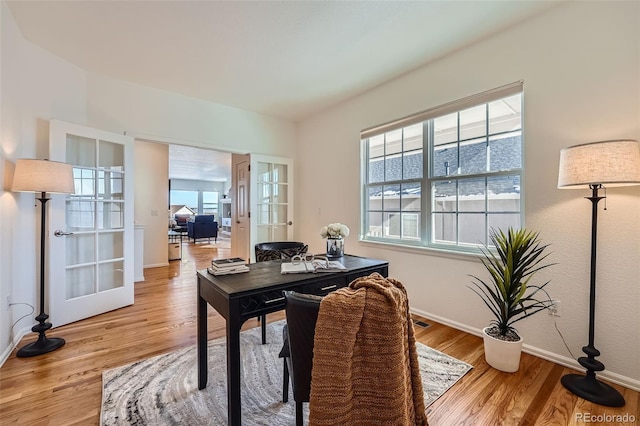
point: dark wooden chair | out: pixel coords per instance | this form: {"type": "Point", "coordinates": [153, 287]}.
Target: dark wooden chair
{"type": "Point", "coordinates": [276, 250]}
{"type": "Point", "coordinates": [297, 350]}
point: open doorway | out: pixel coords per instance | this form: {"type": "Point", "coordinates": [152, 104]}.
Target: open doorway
{"type": "Point", "coordinates": [199, 179]}
{"type": "Point", "coordinates": [199, 195]}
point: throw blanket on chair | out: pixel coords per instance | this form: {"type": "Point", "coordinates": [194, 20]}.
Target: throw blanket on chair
{"type": "Point", "coordinates": [365, 364]}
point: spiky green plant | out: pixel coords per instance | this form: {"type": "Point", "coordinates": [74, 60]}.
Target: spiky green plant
{"type": "Point", "coordinates": [509, 294]}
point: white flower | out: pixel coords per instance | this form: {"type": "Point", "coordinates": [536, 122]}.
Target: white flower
{"type": "Point", "coordinates": [335, 230]}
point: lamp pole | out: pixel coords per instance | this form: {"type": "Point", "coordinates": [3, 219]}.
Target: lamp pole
{"type": "Point", "coordinates": [587, 386]}
{"type": "Point", "coordinates": [43, 344]}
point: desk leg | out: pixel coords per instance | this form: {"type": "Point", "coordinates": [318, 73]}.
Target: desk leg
{"type": "Point", "coordinates": [233, 373]}
{"type": "Point", "coordinates": [202, 341]}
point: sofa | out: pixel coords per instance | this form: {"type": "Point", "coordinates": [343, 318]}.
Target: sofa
{"type": "Point", "coordinates": [202, 226]}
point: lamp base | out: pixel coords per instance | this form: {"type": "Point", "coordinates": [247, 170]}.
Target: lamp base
{"type": "Point", "coordinates": [591, 389]}
{"type": "Point", "coordinates": [41, 346]}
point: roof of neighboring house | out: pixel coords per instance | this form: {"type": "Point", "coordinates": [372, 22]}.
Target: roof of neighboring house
{"type": "Point", "coordinates": [504, 154]}
{"type": "Point", "coordinates": [184, 210]}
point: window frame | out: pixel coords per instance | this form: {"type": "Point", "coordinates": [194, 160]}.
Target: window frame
{"type": "Point", "coordinates": [427, 214]}
{"type": "Point", "coordinates": [200, 206]}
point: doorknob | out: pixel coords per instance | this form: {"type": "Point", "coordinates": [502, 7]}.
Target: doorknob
{"type": "Point", "coordinates": [59, 233]}
{"type": "Point", "coordinates": [289, 223]}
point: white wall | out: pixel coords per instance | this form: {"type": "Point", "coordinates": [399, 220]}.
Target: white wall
{"type": "Point", "coordinates": [200, 185]}
{"type": "Point", "coordinates": [151, 203]}
{"type": "Point", "coordinates": [37, 87]}
{"type": "Point", "coordinates": [157, 115]}
{"type": "Point", "coordinates": [580, 63]}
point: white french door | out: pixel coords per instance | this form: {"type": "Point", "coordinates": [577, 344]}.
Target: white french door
{"type": "Point", "coordinates": [271, 199]}
{"type": "Point", "coordinates": [90, 268]}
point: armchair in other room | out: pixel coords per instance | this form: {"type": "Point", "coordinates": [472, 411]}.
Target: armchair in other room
{"type": "Point", "coordinates": [203, 226]}
{"type": "Point", "coordinates": [276, 250]}
{"type": "Point", "coordinates": [181, 222]}
{"type": "Point", "coordinates": [297, 350]}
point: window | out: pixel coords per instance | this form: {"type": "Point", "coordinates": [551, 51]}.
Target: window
{"type": "Point", "coordinates": [184, 198]}
{"type": "Point", "coordinates": [198, 201]}
{"type": "Point", "coordinates": [210, 202]}
{"type": "Point", "coordinates": [444, 177]}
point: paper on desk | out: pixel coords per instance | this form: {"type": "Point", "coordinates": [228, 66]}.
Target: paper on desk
{"type": "Point", "coordinates": [316, 265]}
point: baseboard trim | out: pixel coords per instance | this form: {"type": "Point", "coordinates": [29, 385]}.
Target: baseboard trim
{"type": "Point", "coordinates": [17, 338]}
{"type": "Point", "coordinates": [156, 265]}
{"type": "Point", "coordinates": [611, 376]}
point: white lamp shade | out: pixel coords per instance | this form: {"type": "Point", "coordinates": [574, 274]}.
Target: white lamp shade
{"type": "Point", "coordinates": [43, 176]}
{"type": "Point", "coordinates": [608, 163]}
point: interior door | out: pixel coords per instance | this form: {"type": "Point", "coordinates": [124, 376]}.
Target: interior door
{"type": "Point", "coordinates": [271, 199]}
{"type": "Point", "coordinates": [90, 269]}
{"type": "Point", "coordinates": [240, 214]}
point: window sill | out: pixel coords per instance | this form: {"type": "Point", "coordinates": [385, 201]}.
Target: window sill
{"type": "Point", "coordinates": [428, 251]}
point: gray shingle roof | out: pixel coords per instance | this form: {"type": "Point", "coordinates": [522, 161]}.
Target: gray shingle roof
{"type": "Point", "coordinates": [504, 154]}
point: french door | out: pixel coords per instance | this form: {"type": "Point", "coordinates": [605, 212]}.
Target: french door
{"type": "Point", "coordinates": [90, 237]}
{"type": "Point", "coordinates": [271, 199]}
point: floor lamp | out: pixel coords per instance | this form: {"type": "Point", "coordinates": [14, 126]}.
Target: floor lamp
{"type": "Point", "coordinates": [42, 176]}
{"type": "Point", "coordinates": [596, 166]}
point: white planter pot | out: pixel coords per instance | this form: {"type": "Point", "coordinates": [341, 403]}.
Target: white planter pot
{"type": "Point", "coordinates": [500, 354]}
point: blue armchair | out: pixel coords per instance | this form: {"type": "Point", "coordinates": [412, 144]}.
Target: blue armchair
{"type": "Point", "coordinates": [203, 226]}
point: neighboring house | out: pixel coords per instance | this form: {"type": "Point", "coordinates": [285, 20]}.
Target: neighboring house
{"type": "Point", "coordinates": [185, 210]}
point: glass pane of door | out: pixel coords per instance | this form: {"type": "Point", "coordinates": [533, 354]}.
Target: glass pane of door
{"type": "Point", "coordinates": [91, 261]}
{"type": "Point", "coordinates": [81, 218]}
{"type": "Point", "coordinates": [272, 207]}
{"type": "Point", "coordinates": [271, 200]}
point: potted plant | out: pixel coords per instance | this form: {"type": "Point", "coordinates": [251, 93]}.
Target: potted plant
{"type": "Point", "coordinates": [509, 295]}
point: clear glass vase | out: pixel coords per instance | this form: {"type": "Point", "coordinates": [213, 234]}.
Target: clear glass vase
{"type": "Point", "coordinates": [335, 247]}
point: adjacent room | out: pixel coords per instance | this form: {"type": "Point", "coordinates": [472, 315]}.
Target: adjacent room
{"type": "Point", "coordinates": [320, 212]}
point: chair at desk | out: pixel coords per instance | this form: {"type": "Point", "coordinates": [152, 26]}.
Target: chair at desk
{"type": "Point", "coordinates": [365, 362]}
{"type": "Point", "coordinates": [297, 350]}
{"type": "Point", "coordinates": [276, 250]}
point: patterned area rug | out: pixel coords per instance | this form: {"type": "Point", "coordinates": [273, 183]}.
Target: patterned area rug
{"type": "Point", "coordinates": [163, 390]}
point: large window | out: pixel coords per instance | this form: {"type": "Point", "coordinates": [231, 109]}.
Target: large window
{"type": "Point", "coordinates": [444, 177]}
{"type": "Point", "coordinates": [198, 201]}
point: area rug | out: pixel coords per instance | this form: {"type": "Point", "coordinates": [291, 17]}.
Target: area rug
{"type": "Point", "coordinates": [163, 390]}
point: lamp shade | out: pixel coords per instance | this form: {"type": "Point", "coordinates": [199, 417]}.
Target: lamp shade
{"type": "Point", "coordinates": [43, 176]}
{"type": "Point", "coordinates": [609, 163]}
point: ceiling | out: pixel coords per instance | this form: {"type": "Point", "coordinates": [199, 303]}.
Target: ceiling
{"type": "Point", "coordinates": [288, 59]}
{"type": "Point", "coordinates": [199, 164]}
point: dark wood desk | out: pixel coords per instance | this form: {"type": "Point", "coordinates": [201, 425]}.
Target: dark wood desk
{"type": "Point", "coordinates": [248, 295]}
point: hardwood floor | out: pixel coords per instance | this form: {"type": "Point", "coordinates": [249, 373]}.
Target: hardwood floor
{"type": "Point", "coordinates": [64, 387]}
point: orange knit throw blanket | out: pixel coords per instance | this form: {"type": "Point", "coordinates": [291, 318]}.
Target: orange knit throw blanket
{"type": "Point", "coordinates": [365, 364]}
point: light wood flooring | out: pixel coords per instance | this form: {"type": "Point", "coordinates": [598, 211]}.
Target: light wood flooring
{"type": "Point", "coordinates": [64, 387]}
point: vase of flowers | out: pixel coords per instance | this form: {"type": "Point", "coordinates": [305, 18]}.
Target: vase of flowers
{"type": "Point", "coordinates": [335, 234]}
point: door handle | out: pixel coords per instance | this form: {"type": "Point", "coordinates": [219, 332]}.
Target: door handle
{"type": "Point", "coordinates": [59, 233]}
{"type": "Point", "coordinates": [289, 223]}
